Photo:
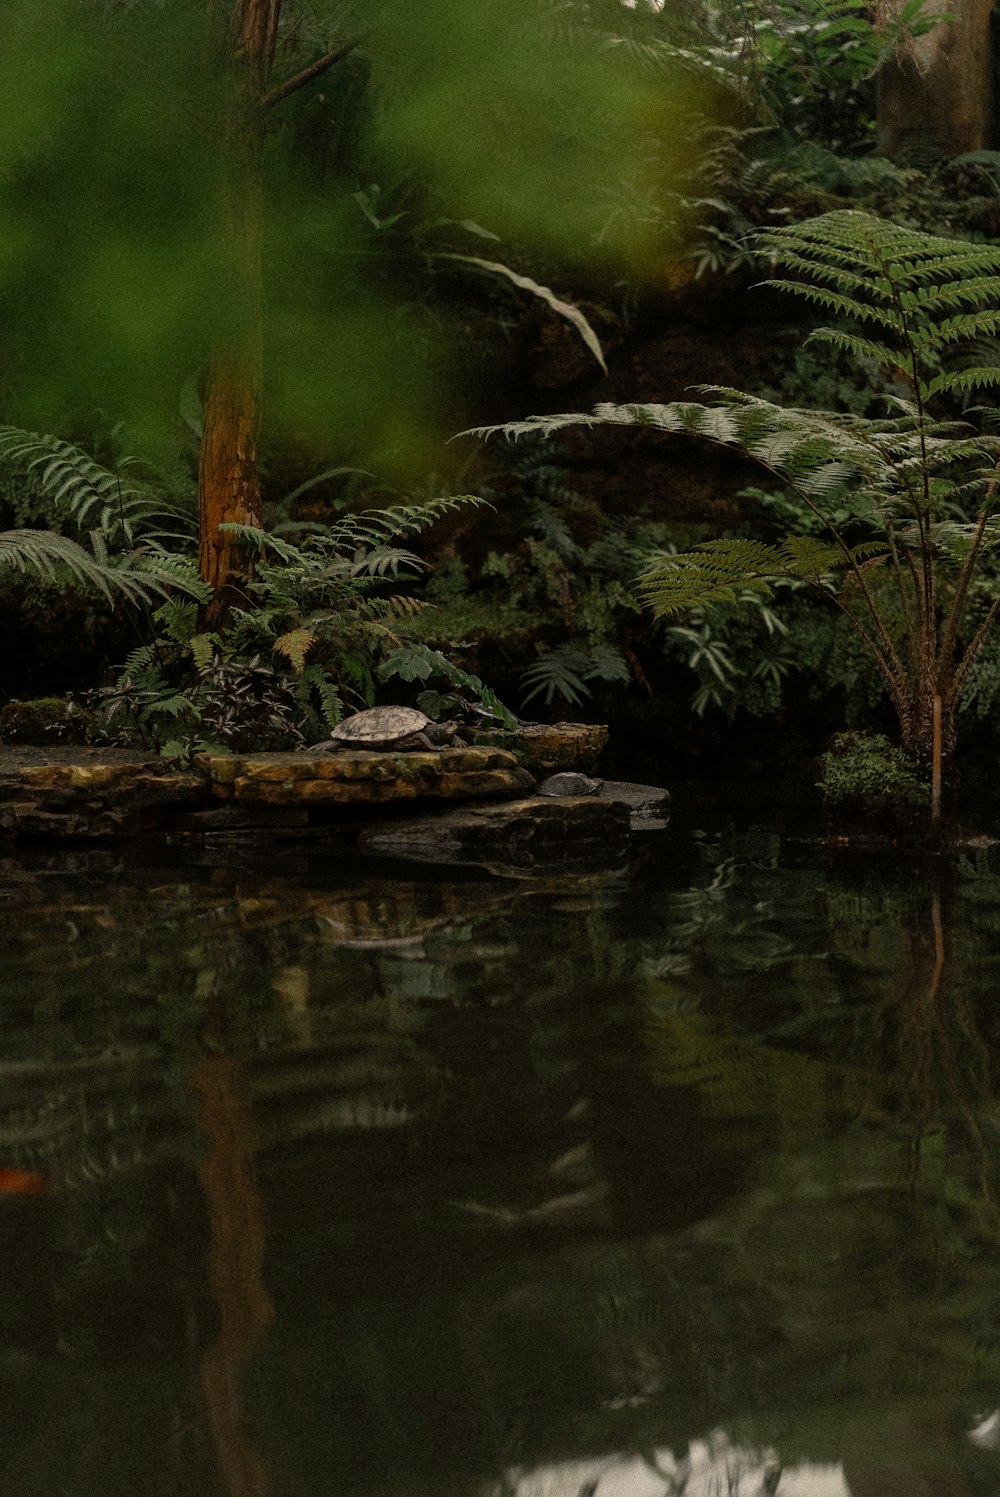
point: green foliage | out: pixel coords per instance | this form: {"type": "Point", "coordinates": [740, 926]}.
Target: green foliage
{"type": "Point", "coordinates": [741, 659]}
{"type": "Point", "coordinates": [903, 505]}
{"type": "Point", "coordinates": [115, 104]}
{"type": "Point", "coordinates": [567, 670]}
{"type": "Point", "coordinates": [129, 529]}
{"type": "Point", "coordinates": [416, 662]}
{"type": "Point", "coordinates": [555, 596]}
{"type": "Point", "coordinates": [319, 631]}
{"type": "Point", "coordinates": [43, 720]}
{"type": "Point", "coordinates": [867, 777]}
{"type": "Point", "coordinates": [810, 68]}
{"type": "Point", "coordinates": [234, 705]}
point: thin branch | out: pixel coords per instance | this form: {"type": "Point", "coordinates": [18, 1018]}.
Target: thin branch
{"type": "Point", "coordinates": [951, 626]}
{"type": "Point", "coordinates": [972, 650]}
{"type": "Point", "coordinates": [314, 70]}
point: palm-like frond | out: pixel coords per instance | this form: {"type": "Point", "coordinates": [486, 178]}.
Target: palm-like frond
{"type": "Point", "coordinates": [727, 571]}
{"type": "Point", "coordinates": [893, 493]}
{"type": "Point", "coordinates": [53, 555]}
{"type": "Point", "coordinates": [82, 491]}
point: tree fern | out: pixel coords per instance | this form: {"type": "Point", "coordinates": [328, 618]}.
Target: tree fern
{"type": "Point", "coordinates": [906, 504]}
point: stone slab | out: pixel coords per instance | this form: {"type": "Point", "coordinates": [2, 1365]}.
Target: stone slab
{"type": "Point", "coordinates": [364, 777]}
{"type": "Point", "coordinates": [535, 833]}
{"type": "Point", "coordinates": [99, 793]}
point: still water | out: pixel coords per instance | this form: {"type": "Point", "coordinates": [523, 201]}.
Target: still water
{"type": "Point", "coordinates": [345, 1180]}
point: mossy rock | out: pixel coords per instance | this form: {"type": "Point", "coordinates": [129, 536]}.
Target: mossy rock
{"type": "Point", "coordinates": [548, 748]}
{"type": "Point", "coordinates": [43, 721]}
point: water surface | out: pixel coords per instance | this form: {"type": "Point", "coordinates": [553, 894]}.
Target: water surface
{"type": "Point", "coordinates": [326, 1179]}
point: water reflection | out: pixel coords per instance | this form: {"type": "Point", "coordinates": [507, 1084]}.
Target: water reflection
{"type": "Point", "coordinates": [361, 1182]}
{"type": "Point", "coordinates": [236, 1258]}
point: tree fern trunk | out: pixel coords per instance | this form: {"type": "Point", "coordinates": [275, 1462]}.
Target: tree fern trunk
{"type": "Point", "coordinates": [936, 96]}
{"type": "Point", "coordinates": [228, 478]}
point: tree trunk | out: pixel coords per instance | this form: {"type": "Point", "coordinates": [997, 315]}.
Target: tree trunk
{"type": "Point", "coordinates": [228, 478]}
{"type": "Point", "coordinates": [936, 97]}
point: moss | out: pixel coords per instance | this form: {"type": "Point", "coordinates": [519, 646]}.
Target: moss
{"type": "Point", "coordinates": [871, 784]}
{"type": "Point", "coordinates": [43, 721]}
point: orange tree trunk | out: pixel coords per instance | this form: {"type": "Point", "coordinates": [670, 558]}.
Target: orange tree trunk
{"type": "Point", "coordinates": [228, 478]}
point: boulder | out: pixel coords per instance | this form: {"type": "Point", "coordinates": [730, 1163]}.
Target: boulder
{"type": "Point", "coordinates": [648, 805]}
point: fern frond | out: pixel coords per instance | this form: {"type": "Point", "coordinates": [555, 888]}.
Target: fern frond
{"type": "Point", "coordinates": [842, 306]}
{"type": "Point", "coordinates": [722, 571]}
{"type": "Point", "coordinates": [384, 561]}
{"type": "Point", "coordinates": [203, 647]}
{"type": "Point", "coordinates": [314, 680]}
{"type": "Point", "coordinates": [376, 526]}
{"type": "Point", "coordinates": [295, 646]}
{"type": "Point", "coordinates": [862, 348]}
{"type": "Point", "coordinates": [261, 541]}
{"type": "Point", "coordinates": [81, 490]}
{"type": "Point", "coordinates": [161, 572]}
{"type": "Point", "coordinates": [978, 378]}
{"type": "Point", "coordinates": [405, 606]}
{"type": "Point", "coordinates": [48, 553]}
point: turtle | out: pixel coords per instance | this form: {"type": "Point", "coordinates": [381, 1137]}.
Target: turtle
{"type": "Point", "coordinates": [570, 782]}
{"type": "Point", "coordinates": [397, 728]}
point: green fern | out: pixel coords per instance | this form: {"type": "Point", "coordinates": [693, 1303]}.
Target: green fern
{"type": "Point", "coordinates": [54, 556]}
{"type": "Point", "coordinates": [76, 488]}
{"type": "Point", "coordinates": [906, 505]}
{"type": "Point", "coordinates": [124, 523]}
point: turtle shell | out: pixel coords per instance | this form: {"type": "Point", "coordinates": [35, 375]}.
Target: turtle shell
{"type": "Point", "coordinates": [378, 727]}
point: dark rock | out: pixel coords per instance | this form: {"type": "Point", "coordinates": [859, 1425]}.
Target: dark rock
{"type": "Point", "coordinates": [99, 793]}
{"type": "Point", "coordinates": [519, 835]}
{"type": "Point", "coordinates": [366, 778]}
{"type": "Point", "coordinates": [648, 805]}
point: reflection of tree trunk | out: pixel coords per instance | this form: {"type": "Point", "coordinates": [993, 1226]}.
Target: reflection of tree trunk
{"type": "Point", "coordinates": [237, 1258]}
{"type": "Point", "coordinates": [934, 1024]}
{"type": "Point", "coordinates": [228, 479]}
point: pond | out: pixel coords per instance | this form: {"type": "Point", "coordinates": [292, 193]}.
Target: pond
{"type": "Point", "coordinates": [336, 1179]}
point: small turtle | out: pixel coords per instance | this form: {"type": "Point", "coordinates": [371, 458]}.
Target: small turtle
{"type": "Point", "coordinates": [397, 728]}
{"type": "Point", "coordinates": [570, 782]}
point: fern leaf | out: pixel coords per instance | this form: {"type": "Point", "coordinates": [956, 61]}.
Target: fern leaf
{"type": "Point", "coordinates": [384, 561]}
{"type": "Point", "coordinates": [203, 647]}
{"type": "Point", "coordinates": [977, 378]}
{"type": "Point", "coordinates": [862, 348]}
{"type": "Point", "coordinates": [47, 553]}
{"type": "Point", "coordinates": [295, 646]}
{"type": "Point", "coordinates": [842, 306]}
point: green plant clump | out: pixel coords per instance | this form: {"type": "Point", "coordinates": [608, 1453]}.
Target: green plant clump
{"type": "Point", "coordinates": [42, 721]}
{"type": "Point", "coordinates": [867, 778]}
